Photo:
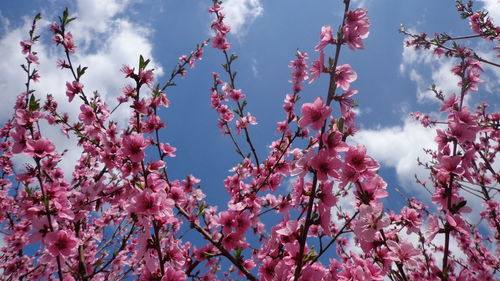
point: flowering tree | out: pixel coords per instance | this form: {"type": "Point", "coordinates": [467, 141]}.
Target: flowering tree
{"type": "Point", "coordinates": [120, 216]}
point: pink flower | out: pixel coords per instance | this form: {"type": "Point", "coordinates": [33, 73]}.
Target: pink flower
{"type": "Point", "coordinates": [360, 270]}
{"type": "Point", "coordinates": [344, 76]}
{"type": "Point", "coordinates": [449, 164]}
{"type": "Point", "coordinates": [146, 77]}
{"type": "Point", "coordinates": [326, 166]}
{"type": "Point", "coordinates": [411, 219]}
{"type": "Point", "coordinates": [39, 148]}
{"type": "Point", "coordinates": [402, 252]}
{"type": "Point", "coordinates": [245, 121]}
{"type": "Point", "coordinates": [87, 115]}
{"type": "Point", "coordinates": [327, 200]}
{"type": "Point", "coordinates": [314, 114]}
{"type": "Point", "coordinates": [32, 59]}
{"type": "Point", "coordinates": [133, 146]}
{"type": "Point", "coordinates": [357, 159]}
{"type": "Point", "coordinates": [219, 42]}
{"type": "Point", "coordinates": [68, 43]}
{"type": "Point", "coordinates": [26, 45]}
{"type": "Point", "coordinates": [20, 139]}
{"type": "Point", "coordinates": [300, 72]}
{"type": "Point", "coordinates": [60, 243]}
{"type": "Point", "coordinates": [173, 275]}
{"type": "Point", "coordinates": [150, 203]}
{"type": "Point", "coordinates": [475, 23]}
{"type": "Point", "coordinates": [317, 67]}
{"type": "Point", "coordinates": [370, 222]}
{"type": "Point", "coordinates": [345, 100]}
{"type": "Point", "coordinates": [356, 28]}
{"type": "Point", "coordinates": [326, 37]}
{"type": "Point", "coordinates": [72, 89]}
{"type": "Point", "coordinates": [236, 95]}
{"type": "Point", "coordinates": [167, 150]}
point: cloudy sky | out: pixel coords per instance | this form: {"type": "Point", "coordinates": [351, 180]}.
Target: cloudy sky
{"type": "Point", "coordinates": [392, 80]}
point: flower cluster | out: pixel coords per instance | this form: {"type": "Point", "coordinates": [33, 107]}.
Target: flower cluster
{"type": "Point", "coordinates": [121, 215]}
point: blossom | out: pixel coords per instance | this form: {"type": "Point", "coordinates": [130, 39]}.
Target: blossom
{"type": "Point", "coordinates": [370, 222]}
{"type": "Point", "coordinates": [32, 59]}
{"type": "Point", "coordinates": [60, 243]}
{"type": "Point", "coordinates": [245, 121]}
{"type": "Point", "coordinates": [173, 275]}
{"type": "Point", "coordinates": [300, 73]}
{"type": "Point", "coordinates": [345, 100]}
{"type": "Point", "coordinates": [326, 37]}
{"type": "Point", "coordinates": [133, 146]}
{"type": "Point", "coordinates": [475, 23]}
{"type": "Point", "coordinates": [236, 95]}
{"type": "Point", "coordinates": [314, 114]}
{"type": "Point", "coordinates": [146, 77]}
{"type": "Point", "coordinates": [26, 46]}
{"type": "Point", "coordinates": [39, 148]}
{"type": "Point", "coordinates": [219, 42]}
{"type": "Point", "coordinates": [150, 203]}
{"type": "Point", "coordinates": [87, 115]}
{"type": "Point", "coordinates": [326, 166]}
{"type": "Point", "coordinates": [68, 43]}
{"type": "Point", "coordinates": [357, 159]}
{"type": "Point", "coordinates": [167, 150]}
{"type": "Point", "coordinates": [72, 89]}
{"type": "Point", "coordinates": [344, 76]}
{"type": "Point", "coordinates": [317, 67]}
{"type": "Point", "coordinates": [402, 252]}
{"type": "Point", "coordinates": [356, 28]}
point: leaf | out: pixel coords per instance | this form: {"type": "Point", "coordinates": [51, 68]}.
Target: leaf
{"type": "Point", "coordinates": [70, 20]}
{"type": "Point", "coordinates": [80, 71]}
{"type": "Point", "coordinates": [143, 63]}
{"type": "Point", "coordinates": [340, 124]}
{"type": "Point", "coordinates": [34, 105]}
{"type": "Point", "coordinates": [65, 16]}
{"type": "Point", "coordinates": [233, 58]}
{"type": "Point", "coordinates": [38, 16]}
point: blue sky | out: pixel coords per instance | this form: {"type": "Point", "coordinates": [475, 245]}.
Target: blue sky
{"type": "Point", "coordinates": [392, 81]}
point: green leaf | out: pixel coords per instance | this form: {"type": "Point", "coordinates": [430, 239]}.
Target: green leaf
{"type": "Point", "coordinates": [70, 20]}
{"type": "Point", "coordinates": [143, 63]}
{"type": "Point", "coordinates": [80, 71]}
{"type": "Point", "coordinates": [340, 124]}
{"type": "Point", "coordinates": [233, 58]}
{"type": "Point", "coordinates": [65, 16]}
{"type": "Point", "coordinates": [460, 205]}
{"type": "Point", "coordinates": [38, 16]}
{"type": "Point", "coordinates": [311, 255]}
{"type": "Point", "coordinates": [226, 68]}
{"type": "Point", "coordinates": [33, 104]}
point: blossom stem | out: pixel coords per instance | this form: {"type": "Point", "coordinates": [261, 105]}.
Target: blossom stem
{"type": "Point", "coordinates": [340, 232]}
{"type": "Point", "coordinates": [223, 251]}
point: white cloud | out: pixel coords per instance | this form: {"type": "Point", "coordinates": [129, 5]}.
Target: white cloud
{"type": "Point", "coordinates": [242, 13]}
{"type": "Point", "coordinates": [104, 42]}
{"type": "Point", "coordinates": [493, 8]}
{"type": "Point", "coordinates": [399, 147]}
{"type": "Point", "coordinates": [361, 3]}
{"type": "Point", "coordinates": [440, 73]}
{"type": "Point", "coordinates": [255, 71]}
